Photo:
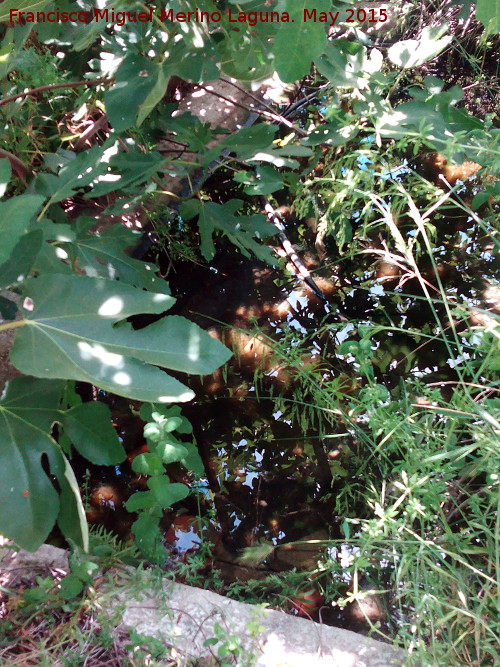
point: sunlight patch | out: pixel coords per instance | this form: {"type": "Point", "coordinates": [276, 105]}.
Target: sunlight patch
{"type": "Point", "coordinates": [181, 398]}
{"type": "Point", "coordinates": [88, 352]}
{"type": "Point", "coordinates": [194, 347]}
{"type": "Point", "coordinates": [112, 306]}
{"type": "Point", "coordinates": [159, 296]}
{"type": "Point", "coordinates": [122, 378]}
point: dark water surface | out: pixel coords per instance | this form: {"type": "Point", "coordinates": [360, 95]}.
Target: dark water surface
{"type": "Point", "coordinates": [269, 497]}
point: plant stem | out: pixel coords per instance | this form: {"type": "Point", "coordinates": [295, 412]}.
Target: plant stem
{"type": "Point", "coordinates": [12, 325]}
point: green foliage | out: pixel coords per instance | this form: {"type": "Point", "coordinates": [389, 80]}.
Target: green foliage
{"type": "Point", "coordinates": [77, 331]}
{"type": "Point", "coordinates": [489, 14]}
{"type": "Point", "coordinates": [240, 230]}
{"type": "Point", "coordinates": [424, 496]}
{"type": "Point", "coordinates": [164, 448]}
{"type": "Point", "coordinates": [230, 650]}
{"type": "Point", "coordinates": [347, 160]}
{"type": "Point", "coordinates": [31, 504]}
{"type": "Point", "coordinates": [412, 53]}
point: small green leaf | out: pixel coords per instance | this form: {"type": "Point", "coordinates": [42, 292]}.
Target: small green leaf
{"type": "Point", "coordinates": [170, 452]}
{"type": "Point", "coordinates": [147, 410]}
{"type": "Point", "coordinates": [171, 424]}
{"type": "Point", "coordinates": [211, 641]}
{"type": "Point", "coordinates": [480, 199]}
{"type": "Point", "coordinates": [167, 494]}
{"type": "Point", "coordinates": [193, 461]}
{"type": "Point", "coordinates": [140, 501]}
{"type": "Point", "coordinates": [148, 537]}
{"type": "Point", "coordinates": [152, 432]}
{"type": "Point", "coordinates": [83, 569]}
{"type": "Point", "coordinates": [148, 464]}
{"type": "Point", "coordinates": [70, 586]}
{"type": "Point", "coordinates": [349, 347]}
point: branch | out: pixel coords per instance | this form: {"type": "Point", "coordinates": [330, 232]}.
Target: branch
{"type": "Point", "coordinates": [54, 86]}
{"type": "Point", "coordinates": [18, 167]}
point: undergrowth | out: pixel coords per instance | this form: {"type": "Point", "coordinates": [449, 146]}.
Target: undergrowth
{"type": "Point", "coordinates": [421, 511]}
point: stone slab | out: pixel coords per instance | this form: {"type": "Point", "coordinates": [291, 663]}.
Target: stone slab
{"type": "Point", "coordinates": [184, 618]}
{"type": "Point", "coordinates": [189, 617]}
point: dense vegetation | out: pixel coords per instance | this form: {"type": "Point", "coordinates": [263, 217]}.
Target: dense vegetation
{"type": "Point", "coordinates": [391, 143]}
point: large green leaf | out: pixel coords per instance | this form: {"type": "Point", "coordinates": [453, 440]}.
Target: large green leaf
{"type": "Point", "coordinates": [264, 181]}
{"type": "Point", "coordinates": [15, 216]}
{"type": "Point", "coordinates": [415, 115]}
{"type": "Point", "coordinates": [103, 255]}
{"type": "Point", "coordinates": [91, 431]}
{"type": "Point", "coordinates": [136, 80]}
{"type": "Point", "coordinates": [72, 520]}
{"type": "Point", "coordinates": [20, 5]}
{"type": "Point", "coordinates": [73, 333]}
{"type": "Point", "coordinates": [297, 44]}
{"type": "Point", "coordinates": [28, 500]}
{"type": "Point", "coordinates": [74, 173]}
{"type": "Point", "coordinates": [128, 173]}
{"type": "Point", "coordinates": [5, 174]}
{"type": "Point", "coordinates": [245, 56]}
{"type": "Point", "coordinates": [412, 52]}
{"type": "Point", "coordinates": [247, 141]}
{"type": "Point", "coordinates": [240, 230]}
{"type": "Point", "coordinates": [349, 64]}
{"type": "Point", "coordinates": [488, 12]}
{"type": "Point", "coordinates": [22, 258]}
{"type": "Point", "coordinates": [195, 63]}
{"type": "Point", "coordinates": [155, 95]}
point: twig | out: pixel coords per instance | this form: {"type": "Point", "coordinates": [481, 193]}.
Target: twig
{"type": "Point", "coordinates": [260, 112]}
{"type": "Point", "coordinates": [54, 86]}
{"type": "Point", "coordinates": [89, 132]}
